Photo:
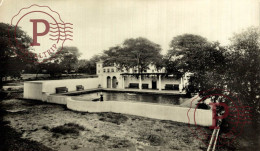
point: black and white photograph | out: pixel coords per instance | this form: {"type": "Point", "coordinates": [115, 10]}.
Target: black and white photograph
{"type": "Point", "coordinates": [129, 75]}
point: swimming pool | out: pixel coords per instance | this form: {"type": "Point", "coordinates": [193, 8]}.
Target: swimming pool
{"type": "Point", "coordinates": [135, 97]}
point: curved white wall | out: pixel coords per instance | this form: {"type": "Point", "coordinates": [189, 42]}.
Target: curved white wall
{"type": "Point", "coordinates": [57, 99]}
{"type": "Point", "coordinates": [150, 110]}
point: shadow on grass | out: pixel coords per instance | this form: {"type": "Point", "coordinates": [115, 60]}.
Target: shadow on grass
{"type": "Point", "coordinates": [11, 140]}
{"type": "Point", "coordinates": [152, 139]}
{"type": "Point", "coordinates": [69, 128]}
{"type": "Point", "coordinates": [115, 118]}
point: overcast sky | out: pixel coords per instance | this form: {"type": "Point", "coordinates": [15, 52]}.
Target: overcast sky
{"type": "Point", "coordinates": [100, 24]}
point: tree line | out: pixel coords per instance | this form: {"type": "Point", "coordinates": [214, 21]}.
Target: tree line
{"type": "Point", "coordinates": [235, 67]}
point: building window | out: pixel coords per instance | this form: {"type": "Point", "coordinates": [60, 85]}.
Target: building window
{"type": "Point", "coordinates": [112, 70]}
{"type": "Point", "coordinates": [98, 71]}
{"type": "Point", "coordinates": [108, 70]}
{"type": "Point", "coordinates": [104, 70]}
{"type": "Point", "coordinates": [145, 70]}
{"type": "Point", "coordinates": [135, 71]}
{"type": "Point", "coordinates": [98, 65]}
{"type": "Point", "coordinates": [152, 71]}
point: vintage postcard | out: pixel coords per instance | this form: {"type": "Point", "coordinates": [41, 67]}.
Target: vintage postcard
{"type": "Point", "coordinates": [129, 75]}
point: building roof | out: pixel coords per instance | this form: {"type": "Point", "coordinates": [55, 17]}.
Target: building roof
{"type": "Point", "coordinates": [143, 73]}
{"type": "Point", "coordinates": [148, 74]}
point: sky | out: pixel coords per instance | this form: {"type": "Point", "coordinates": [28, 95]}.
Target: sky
{"type": "Point", "coordinates": [100, 24]}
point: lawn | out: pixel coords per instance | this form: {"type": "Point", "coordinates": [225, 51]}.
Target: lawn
{"type": "Point", "coordinates": [56, 127]}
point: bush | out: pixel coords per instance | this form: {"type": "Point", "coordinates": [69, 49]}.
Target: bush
{"type": "Point", "coordinates": [203, 106]}
{"type": "Point", "coordinates": [69, 128]}
{"type": "Point", "coordinates": [105, 137]}
{"type": "Point", "coordinates": [155, 140]}
{"type": "Point", "coordinates": [45, 128]}
{"type": "Point", "coordinates": [113, 118]}
{"type": "Point", "coordinates": [118, 143]}
{"type": "Point", "coordinates": [152, 138]}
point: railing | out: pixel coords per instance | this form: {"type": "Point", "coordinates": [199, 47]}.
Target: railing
{"type": "Point", "coordinates": [213, 140]}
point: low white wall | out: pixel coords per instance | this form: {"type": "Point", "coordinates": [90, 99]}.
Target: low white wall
{"type": "Point", "coordinates": [39, 89]}
{"type": "Point", "coordinates": [57, 99]}
{"type": "Point", "coordinates": [50, 85]}
{"type": "Point", "coordinates": [162, 112]}
{"type": "Point", "coordinates": [32, 90]}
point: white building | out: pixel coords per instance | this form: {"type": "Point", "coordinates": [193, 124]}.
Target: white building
{"type": "Point", "coordinates": [113, 77]}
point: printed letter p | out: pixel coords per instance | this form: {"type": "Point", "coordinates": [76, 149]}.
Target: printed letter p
{"type": "Point", "coordinates": [35, 33]}
{"type": "Point", "coordinates": [215, 116]}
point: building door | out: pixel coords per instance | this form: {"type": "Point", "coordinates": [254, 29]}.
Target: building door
{"type": "Point", "coordinates": [154, 84]}
{"type": "Point", "coordinates": [108, 82]}
{"type": "Point", "coordinates": [114, 82]}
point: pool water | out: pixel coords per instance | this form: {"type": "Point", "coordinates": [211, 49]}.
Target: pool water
{"type": "Point", "coordinates": [152, 98]}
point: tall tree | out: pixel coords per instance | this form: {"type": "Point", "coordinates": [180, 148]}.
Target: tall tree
{"type": "Point", "coordinates": [244, 67]}
{"type": "Point", "coordinates": [88, 66]}
{"type": "Point", "coordinates": [183, 47]}
{"type": "Point", "coordinates": [193, 53]}
{"type": "Point", "coordinates": [135, 53]}
{"type": "Point", "coordinates": [67, 58]}
{"type": "Point", "coordinates": [15, 50]}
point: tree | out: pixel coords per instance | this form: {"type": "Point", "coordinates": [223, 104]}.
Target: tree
{"type": "Point", "coordinates": [53, 68]}
{"type": "Point", "coordinates": [15, 50]}
{"type": "Point", "coordinates": [83, 66]}
{"type": "Point", "coordinates": [88, 66]}
{"type": "Point", "coordinates": [67, 58]}
{"type": "Point", "coordinates": [193, 53]}
{"type": "Point", "coordinates": [114, 55]}
{"type": "Point", "coordinates": [183, 47]}
{"type": "Point", "coordinates": [134, 53]}
{"type": "Point", "coordinates": [244, 67]}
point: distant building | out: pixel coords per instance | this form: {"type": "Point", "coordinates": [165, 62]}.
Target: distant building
{"type": "Point", "coordinates": [113, 77]}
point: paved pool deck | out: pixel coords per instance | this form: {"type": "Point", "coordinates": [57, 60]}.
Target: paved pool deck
{"type": "Point", "coordinates": [146, 91]}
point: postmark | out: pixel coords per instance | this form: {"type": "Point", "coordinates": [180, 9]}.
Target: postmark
{"type": "Point", "coordinates": [229, 117]}
{"type": "Point", "coordinates": [47, 30]}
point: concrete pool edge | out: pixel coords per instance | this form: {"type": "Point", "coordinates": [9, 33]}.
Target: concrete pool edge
{"type": "Point", "coordinates": [150, 110]}
{"type": "Point", "coordinates": [143, 91]}
{"type": "Point", "coordinates": [144, 109]}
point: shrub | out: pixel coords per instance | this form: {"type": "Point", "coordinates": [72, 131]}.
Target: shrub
{"type": "Point", "coordinates": [155, 140]}
{"type": "Point", "coordinates": [69, 128]}
{"type": "Point", "coordinates": [113, 118]}
{"type": "Point", "coordinates": [45, 128]}
{"type": "Point", "coordinates": [203, 106]}
{"type": "Point", "coordinates": [118, 143]}
{"type": "Point", "coordinates": [105, 137]}
{"type": "Point", "coordinates": [151, 137]}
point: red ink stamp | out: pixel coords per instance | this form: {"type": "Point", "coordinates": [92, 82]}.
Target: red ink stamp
{"type": "Point", "coordinates": [229, 116]}
{"type": "Point", "coordinates": [47, 30]}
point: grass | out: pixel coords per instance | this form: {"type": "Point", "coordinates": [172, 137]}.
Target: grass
{"type": "Point", "coordinates": [105, 137]}
{"type": "Point", "coordinates": [68, 128]}
{"type": "Point", "coordinates": [46, 128]}
{"type": "Point", "coordinates": [113, 118]}
{"type": "Point", "coordinates": [111, 142]}
{"type": "Point", "coordinates": [120, 143]}
{"type": "Point", "coordinates": [11, 139]}
{"type": "Point", "coordinates": [155, 140]}
{"type": "Point", "coordinates": [152, 138]}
